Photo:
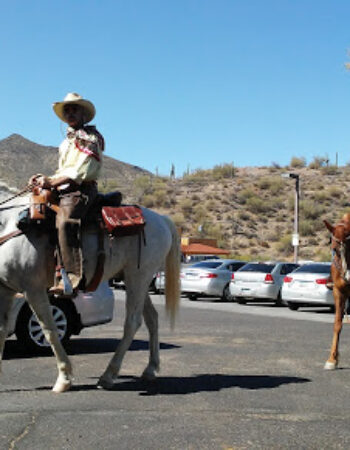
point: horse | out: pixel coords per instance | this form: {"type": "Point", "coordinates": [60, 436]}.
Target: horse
{"type": "Point", "coordinates": [27, 266]}
{"type": "Point", "coordinates": [340, 274]}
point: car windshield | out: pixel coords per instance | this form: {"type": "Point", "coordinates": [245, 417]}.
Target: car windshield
{"type": "Point", "coordinates": [257, 267]}
{"type": "Point", "coordinates": [208, 264]}
{"type": "Point", "coordinates": [314, 268]}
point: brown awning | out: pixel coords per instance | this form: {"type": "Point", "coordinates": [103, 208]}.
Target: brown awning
{"type": "Point", "coordinates": [201, 249]}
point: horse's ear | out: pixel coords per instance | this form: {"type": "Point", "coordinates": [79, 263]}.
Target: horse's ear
{"type": "Point", "coordinates": [329, 226]}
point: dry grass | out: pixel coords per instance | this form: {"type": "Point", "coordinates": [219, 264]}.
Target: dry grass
{"type": "Point", "coordinates": [251, 214]}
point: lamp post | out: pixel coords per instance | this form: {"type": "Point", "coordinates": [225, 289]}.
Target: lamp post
{"type": "Point", "coordinates": [295, 240]}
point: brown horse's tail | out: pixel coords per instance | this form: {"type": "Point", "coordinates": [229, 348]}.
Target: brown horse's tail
{"type": "Point", "coordinates": [172, 274]}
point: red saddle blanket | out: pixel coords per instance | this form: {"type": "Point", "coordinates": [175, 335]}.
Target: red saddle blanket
{"type": "Point", "coordinates": [123, 220]}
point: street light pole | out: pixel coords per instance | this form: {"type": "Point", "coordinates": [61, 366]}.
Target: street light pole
{"type": "Point", "coordinates": [295, 240]}
{"type": "Point", "coordinates": [296, 218]}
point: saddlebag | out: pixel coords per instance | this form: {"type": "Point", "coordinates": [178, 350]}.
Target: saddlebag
{"type": "Point", "coordinates": [124, 220]}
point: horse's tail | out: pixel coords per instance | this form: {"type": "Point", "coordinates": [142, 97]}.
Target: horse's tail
{"type": "Point", "coordinates": [172, 274]}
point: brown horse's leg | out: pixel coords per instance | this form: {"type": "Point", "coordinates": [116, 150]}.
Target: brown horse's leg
{"type": "Point", "coordinates": [339, 302]}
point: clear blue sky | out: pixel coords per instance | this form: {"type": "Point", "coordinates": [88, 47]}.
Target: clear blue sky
{"type": "Point", "coordinates": [190, 82]}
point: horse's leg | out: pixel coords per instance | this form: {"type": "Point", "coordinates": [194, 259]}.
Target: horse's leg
{"type": "Point", "coordinates": [6, 296]}
{"type": "Point", "coordinates": [339, 302]}
{"type": "Point", "coordinates": [39, 303]}
{"type": "Point", "coordinates": [135, 298]}
{"type": "Point", "coordinates": [150, 315]}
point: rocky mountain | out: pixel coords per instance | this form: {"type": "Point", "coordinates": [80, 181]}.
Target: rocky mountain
{"type": "Point", "coordinates": [21, 158]}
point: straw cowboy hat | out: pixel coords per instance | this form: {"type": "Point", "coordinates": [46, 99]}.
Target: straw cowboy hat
{"type": "Point", "coordinates": [75, 99]}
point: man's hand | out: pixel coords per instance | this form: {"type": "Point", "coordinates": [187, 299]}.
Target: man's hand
{"type": "Point", "coordinates": [34, 179]}
{"type": "Point", "coordinates": [43, 182]}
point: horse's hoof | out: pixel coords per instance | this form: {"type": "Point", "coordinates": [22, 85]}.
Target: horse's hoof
{"type": "Point", "coordinates": [330, 365]}
{"type": "Point", "coordinates": [62, 386]}
{"type": "Point", "coordinates": [148, 376]}
{"type": "Point", "coordinates": [105, 384]}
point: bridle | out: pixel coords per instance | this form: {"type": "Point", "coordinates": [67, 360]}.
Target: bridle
{"type": "Point", "coordinates": [339, 250]}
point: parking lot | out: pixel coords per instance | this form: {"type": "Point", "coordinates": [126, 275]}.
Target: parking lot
{"type": "Point", "coordinates": [232, 376]}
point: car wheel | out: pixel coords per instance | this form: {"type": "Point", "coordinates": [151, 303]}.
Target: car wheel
{"type": "Point", "coordinates": [29, 332]}
{"type": "Point", "coordinates": [293, 306]}
{"type": "Point", "coordinates": [241, 301]}
{"type": "Point", "coordinates": [192, 296]}
{"type": "Point", "coordinates": [226, 295]}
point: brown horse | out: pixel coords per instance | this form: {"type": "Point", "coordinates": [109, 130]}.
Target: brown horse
{"type": "Point", "coordinates": [340, 273]}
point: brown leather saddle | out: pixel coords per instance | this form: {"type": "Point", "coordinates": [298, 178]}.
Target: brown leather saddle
{"type": "Point", "coordinates": [106, 215]}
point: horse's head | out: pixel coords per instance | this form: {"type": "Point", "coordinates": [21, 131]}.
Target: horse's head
{"type": "Point", "coordinates": [341, 244]}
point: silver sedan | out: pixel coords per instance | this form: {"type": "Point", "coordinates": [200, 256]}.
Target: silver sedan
{"type": "Point", "coordinates": [209, 278]}
{"type": "Point", "coordinates": [260, 280]}
{"type": "Point", "coordinates": [306, 286]}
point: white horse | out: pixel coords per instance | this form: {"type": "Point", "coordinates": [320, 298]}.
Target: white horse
{"type": "Point", "coordinates": [26, 265]}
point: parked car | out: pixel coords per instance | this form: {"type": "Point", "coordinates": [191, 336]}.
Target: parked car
{"type": "Point", "coordinates": [306, 286]}
{"type": "Point", "coordinates": [210, 278]}
{"type": "Point", "coordinates": [260, 280]}
{"type": "Point", "coordinates": [70, 314]}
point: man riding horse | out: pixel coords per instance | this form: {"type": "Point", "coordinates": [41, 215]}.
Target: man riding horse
{"type": "Point", "coordinates": [75, 180]}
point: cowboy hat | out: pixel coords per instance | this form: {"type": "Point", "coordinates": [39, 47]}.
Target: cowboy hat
{"type": "Point", "coordinates": [75, 99]}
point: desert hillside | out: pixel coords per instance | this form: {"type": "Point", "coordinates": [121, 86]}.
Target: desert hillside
{"type": "Point", "coordinates": [250, 210]}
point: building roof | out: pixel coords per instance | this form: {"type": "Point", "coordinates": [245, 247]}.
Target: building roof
{"type": "Point", "coordinates": [202, 249]}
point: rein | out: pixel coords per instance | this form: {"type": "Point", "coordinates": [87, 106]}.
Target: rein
{"type": "Point", "coordinates": [14, 233]}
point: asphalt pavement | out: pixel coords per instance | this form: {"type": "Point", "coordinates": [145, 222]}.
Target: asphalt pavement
{"type": "Point", "coordinates": [232, 377]}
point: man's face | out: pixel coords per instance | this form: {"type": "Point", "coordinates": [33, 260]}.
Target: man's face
{"type": "Point", "coordinates": [74, 115]}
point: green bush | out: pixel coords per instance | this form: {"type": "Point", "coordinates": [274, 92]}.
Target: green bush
{"type": "Point", "coordinates": [273, 184]}
{"type": "Point", "coordinates": [284, 245]}
{"type": "Point", "coordinates": [310, 209]}
{"type": "Point", "coordinates": [306, 228]}
{"type": "Point", "coordinates": [256, 205]}
{"type": "Point", "coordinates": [186, 205]}
{"type": "Point", "coordinates": [244, 195]}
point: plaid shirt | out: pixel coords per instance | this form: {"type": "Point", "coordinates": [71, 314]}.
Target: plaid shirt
{"type": "Point", "coordinates": [80, 155]}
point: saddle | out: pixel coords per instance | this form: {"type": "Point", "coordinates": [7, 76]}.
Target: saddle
{"type": "Point", "coordinates": [106, 215]}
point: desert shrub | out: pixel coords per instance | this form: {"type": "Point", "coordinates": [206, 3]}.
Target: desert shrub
{"type": "Point", "coordinates": [214, 231]}
{"type": "Point", "coordinates": [273, 184]}
{"type": "Point", "coordinates": [317, 162]}
{"type": "Point", "coordinates": [284, 245]}
{"type": "Point", "coordinates": [199, 213]}
{"type": "Point", "coordinates": [306, 228]}
{"type": "Point", "coordinates": [321, 196]}
{"type": "Point", "coordinates": [322, 255]}
{"type": "Point", "coordinates": [186, 206]}
{"type": "Point", "coordinates": [277, 203]}
{"type": "Point", "coordinates": [310, 209]}
{"type": "Point", "coordinates": [143, 183]}
{"type": "Point", "coordinates": [211, 205]}
{"type": "Point", "coordinates": [223, 171]}
{"type": "Point", "coordinates": [244, 194]}
{"type": "Point", "coordinates": [297, 162]}
{"type": "Point", "coordinates": [256, 205]}
{"type": "Point", "coordinates": [148, 201]}
{"type": "Point", "coordinates": [105, 186]}
{"type": "Point", "coordinates": [160, 197]}
{"type": "Point", "coordinates": [244, 215]}
{"type": "Point", "coordinates": [335, 192]}
{"type": "Point", "coordinates": [330, 170]}
{"type": "Point", "coordinates": [179, 219]}
{"type": "Point", "coordinates": [195, 198]}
